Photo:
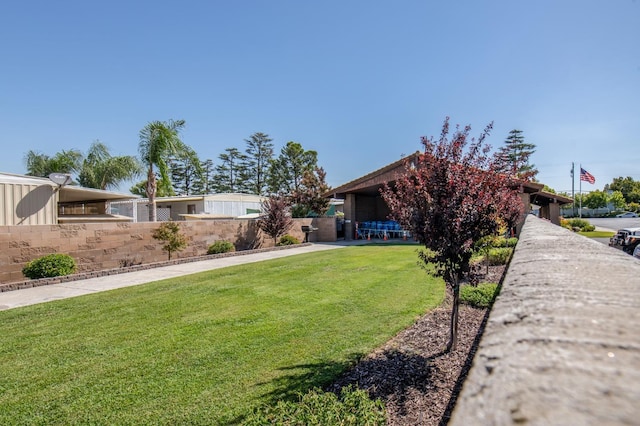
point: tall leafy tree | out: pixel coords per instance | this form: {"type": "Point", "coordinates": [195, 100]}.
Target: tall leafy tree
{"type": "Point", "coordinates": [159, 140]}
{"type": "Point", "coordinates": [103, 171]}
{"type": "Point", "coordinates": [286, 171]}
{"type": "Point", "coordinates": [231, 173]}
{"type": "Point", "coordinates": [259, 152]}
{"type": "Point", "coordinates": [595, 200]}
{"type": "Point", "coordinates": [450, 196]}
{"type": "Point", "coordinates": [629, 188]}
{"type": "Point", "coordinates": [515, 155]}
{"type": "Point", "coordinates": [65, 161]}
{"type": "Point", "coordinates": [309, 198]}
{"type": "Point", "coordinates": [617, 200]}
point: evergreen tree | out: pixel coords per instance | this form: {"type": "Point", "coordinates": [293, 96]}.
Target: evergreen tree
{"type": "Point", "coordinates": [514, 156]}
{"type": "Point", "coordinates": [231, 174]}
{"type": "Point", "coordinates": [204, 183]}
{"type": "Point", "coordinates": [286, 171]}
{"type": "Point", "coordinates": [259, 155]}
{"type": "Point", "coordinates": [186, 171]}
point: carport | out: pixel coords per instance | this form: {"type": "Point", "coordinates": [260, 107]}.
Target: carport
{"type": "Point", "coordinates": [363, 202]}
{"type": "Point", "coordinates": [362, 199]}
{"type": "Point", "coordinates": [549, 203]}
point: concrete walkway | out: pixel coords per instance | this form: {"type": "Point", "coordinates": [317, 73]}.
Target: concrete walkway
{"type": "Point", "coordinates": [47, 293]}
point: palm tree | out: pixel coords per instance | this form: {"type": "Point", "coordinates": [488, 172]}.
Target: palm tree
{"type": "Point", "coordinates": [41, 165]}
{"type": "Point", "coordinates": [159, 140]}
{"type": "Point", "coordinates": [102, 171]}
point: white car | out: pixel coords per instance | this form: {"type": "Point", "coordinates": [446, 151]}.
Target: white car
{"type": "Point", "coordinates": [627, 214]}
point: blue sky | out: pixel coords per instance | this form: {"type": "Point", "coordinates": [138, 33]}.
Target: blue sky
{"type": "Point", "coordinates": [358, 81]}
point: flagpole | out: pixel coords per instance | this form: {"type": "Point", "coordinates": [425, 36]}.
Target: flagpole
{"type": "Point", "coordinates": [580, 190]}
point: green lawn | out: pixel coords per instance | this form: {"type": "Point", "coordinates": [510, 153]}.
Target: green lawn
{"type": "Point", "coordinates": [207, 348]}
{"type": "Point", "coordinates": [597, 234]}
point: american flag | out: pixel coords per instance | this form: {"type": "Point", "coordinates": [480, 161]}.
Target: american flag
{"type": "Point", "coordinates": [586, 176]}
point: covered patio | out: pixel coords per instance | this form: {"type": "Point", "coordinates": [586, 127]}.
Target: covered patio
{"type": "Point", "coordinates": [363, 203]}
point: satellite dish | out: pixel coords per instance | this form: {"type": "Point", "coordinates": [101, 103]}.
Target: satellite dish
{"type": "Point", "coordinates": [61, 179]}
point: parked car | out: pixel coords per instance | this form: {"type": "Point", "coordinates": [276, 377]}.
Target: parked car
{"type": "Point", "coordinates": [626, 239]}
{"type": "Point", "coordinates": [636, 252]}
{"type": "Point", "coordinates": [627, 214]}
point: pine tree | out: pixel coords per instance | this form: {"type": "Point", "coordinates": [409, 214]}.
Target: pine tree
{"type": "Point", "coordinates": [231, 174]}
{"type": "Point", "coordinates": [204, 184]}
{"type": "Point", "coordinates": [186, 170]}
{"type": "Point", "coordinates": [259, 155]}
{"type": "Point", "coordinates": [514, 156]}
{"type": "Point", "coordinates": [286, 171]}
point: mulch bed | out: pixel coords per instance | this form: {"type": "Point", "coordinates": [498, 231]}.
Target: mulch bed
{"type": "Point", "coordinates": [417, 380]}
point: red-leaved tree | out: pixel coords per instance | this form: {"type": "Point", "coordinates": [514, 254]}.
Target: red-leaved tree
{"type": "Point", "coordinates": [275, 220]}
{"type": "Point", "coordinates": [450, 196]}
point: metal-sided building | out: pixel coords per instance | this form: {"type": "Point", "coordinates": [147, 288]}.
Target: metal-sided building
{"type": "Point", "coordinates": [191, 207]}
{"type": "Point", "coordinates": [29, 200]}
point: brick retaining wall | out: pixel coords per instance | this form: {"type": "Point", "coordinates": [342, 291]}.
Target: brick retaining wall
{"type": "Point", "coordinates": [108, 246]}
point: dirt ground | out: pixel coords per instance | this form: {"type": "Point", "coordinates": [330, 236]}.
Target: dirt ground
{"type": "Point", "coordinates": [417, 380]}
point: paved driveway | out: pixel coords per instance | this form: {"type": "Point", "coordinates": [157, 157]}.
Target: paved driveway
{"type": "Point", "coordinates": [615, 223]}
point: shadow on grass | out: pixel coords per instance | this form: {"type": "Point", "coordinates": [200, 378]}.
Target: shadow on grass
{"type": "Point", "coordinates": [300, 379]}
{"type": "Point", "coordinates": [390, 373]}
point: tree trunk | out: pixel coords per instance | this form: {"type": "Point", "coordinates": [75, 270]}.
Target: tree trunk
{"type": "Point", "coordinates": [453, 331]}
{"type": "Point", "coordinates": [151, 194]}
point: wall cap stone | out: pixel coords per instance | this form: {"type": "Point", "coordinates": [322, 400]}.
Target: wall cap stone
{"type": "Point", "coordinates": [562, 343]}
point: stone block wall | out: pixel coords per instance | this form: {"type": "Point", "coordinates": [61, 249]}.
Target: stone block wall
{"type": "Point", "coordinates": [561, 345]}
{"type": "Point", "coordinates": [100, 246]}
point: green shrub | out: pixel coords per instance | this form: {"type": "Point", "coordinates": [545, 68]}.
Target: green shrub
{"type": "Point", "coordinates": [169, 233]}
{"type": "Point", "coordinates": [51, 265]}
{"type": "Point", "coordinates": [288, 240]}
{"type": "Point", "coordinates": [221, 247]}
{"type": "Point", "coordinates": [480, 296]}
{"type": "Point", "coordinates": [499, 255]}
{"type": "Point", "coordinates": [511, 242]}
{"type": "Point", "coordinates": [353, 407]}
{"type": "Point", "coordinates": [577, 225]}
